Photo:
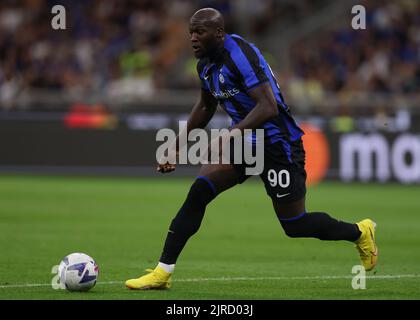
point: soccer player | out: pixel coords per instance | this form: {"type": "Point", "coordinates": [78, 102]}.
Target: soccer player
{"type": "Point", "coordinates": [235, 74]}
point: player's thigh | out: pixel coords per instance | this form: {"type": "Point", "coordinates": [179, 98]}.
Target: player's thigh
{"type": "Point", "coordinates": [289, 210]}
{"type": "Point", "coordinates": [223, 176]}
{"type": "Point", "coordinates": [285, 184]}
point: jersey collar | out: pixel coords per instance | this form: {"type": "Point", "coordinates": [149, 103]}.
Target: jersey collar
{"type": "Point", "coordinates": [220, 58]}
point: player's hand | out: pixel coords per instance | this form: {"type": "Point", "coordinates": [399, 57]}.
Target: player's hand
{"type": "Point", "coordinates": [165, 168]}
{"type": "Point", "coordinates": [167, 164]}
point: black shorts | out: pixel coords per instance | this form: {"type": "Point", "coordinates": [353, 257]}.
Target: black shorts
{"type": "Point", "coordinates": [284, 175]}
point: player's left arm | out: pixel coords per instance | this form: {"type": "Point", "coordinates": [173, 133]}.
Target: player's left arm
{"type": "Point", "coordinates": [264, 110]}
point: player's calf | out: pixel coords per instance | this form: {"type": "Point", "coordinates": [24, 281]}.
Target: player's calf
{"type": "Point", "coordinates": [319, 225]}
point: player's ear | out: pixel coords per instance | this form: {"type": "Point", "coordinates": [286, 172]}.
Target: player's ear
{"type": "Point", "coordinates": [220, 33]}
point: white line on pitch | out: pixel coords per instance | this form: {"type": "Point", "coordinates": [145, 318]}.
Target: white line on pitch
{"type": "Point", "coordinates": [390, 276]}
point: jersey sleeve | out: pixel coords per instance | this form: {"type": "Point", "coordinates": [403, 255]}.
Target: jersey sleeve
{"type": "Point", "coordinates": [249, 64]}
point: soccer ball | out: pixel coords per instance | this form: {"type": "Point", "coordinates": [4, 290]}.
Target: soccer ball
{"type": "Point", "coordinates": [78, 272]}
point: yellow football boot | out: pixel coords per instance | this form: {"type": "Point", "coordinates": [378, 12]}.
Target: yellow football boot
{"type": "Point", "coordinates": [155, 279]}
{"type": "Point", "coordinates": [366, 244]}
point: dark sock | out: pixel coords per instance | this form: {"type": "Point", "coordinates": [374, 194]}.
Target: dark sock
{"type": "Point", "coordinates": [188, 220]}
{"type": "Point", "coordinates": [321, 226]}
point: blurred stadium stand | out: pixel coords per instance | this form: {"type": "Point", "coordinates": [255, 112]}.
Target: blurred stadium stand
{"type": "Point", "coordinates": [127, 65]}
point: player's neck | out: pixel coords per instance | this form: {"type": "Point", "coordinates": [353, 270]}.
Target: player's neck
{"type": "Point", "coordinates": [217, 53]}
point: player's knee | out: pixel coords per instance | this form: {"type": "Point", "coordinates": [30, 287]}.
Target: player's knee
{"type": "Point", "coordinates": [202, 191]}
{"type": "Point", "coordinates": [189, 217]}
{"type": "Point", "coordinates": [294, 227]}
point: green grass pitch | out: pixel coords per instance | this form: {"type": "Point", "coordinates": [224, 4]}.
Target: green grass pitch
{"type": "Point", "coordinates": [240, 251]}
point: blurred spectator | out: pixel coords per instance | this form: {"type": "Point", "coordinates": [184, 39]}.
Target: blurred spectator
{"type": "Point", "coordinates": [384, 58]}
{"type": "Point", "coordinates": [135, 47]}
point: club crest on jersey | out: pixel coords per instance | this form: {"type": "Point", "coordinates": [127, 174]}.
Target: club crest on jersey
{"type": "Point", "coordinates": [221, 78]}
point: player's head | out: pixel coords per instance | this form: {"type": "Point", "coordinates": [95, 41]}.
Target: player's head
{"type": "Point", "coordinates": [207, 30]}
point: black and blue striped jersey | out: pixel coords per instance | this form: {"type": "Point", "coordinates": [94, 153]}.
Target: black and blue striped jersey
{"type": "Point", "coordinates": [237, 70]}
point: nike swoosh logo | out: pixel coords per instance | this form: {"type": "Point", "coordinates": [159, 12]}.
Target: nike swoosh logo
{"type": "Point", "coordinates": [206, 78]}
{"type": "Point", "coordinates": [282, 195]}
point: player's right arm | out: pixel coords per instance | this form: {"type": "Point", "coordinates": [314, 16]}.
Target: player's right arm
{"type": "Point", "coordinates": [202, 111]}
{"type": "Point", "coordinates": [206, 105]}
{"type": "Point", "coordinates": [200, 115]}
